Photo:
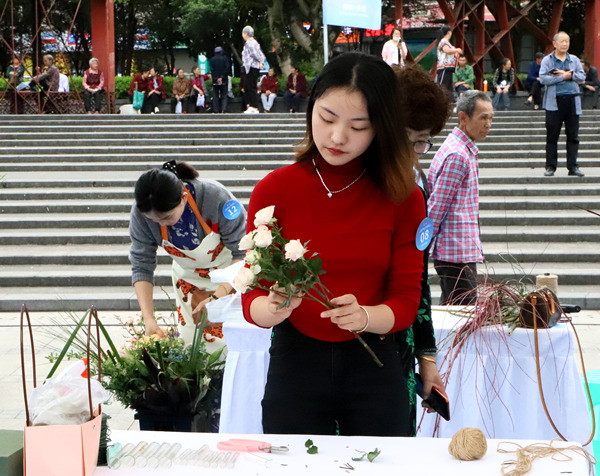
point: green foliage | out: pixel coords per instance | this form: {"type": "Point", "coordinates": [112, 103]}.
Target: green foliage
{"type": "Point", "coordinates": [311, 449]}
{"type": "Point", "coordinates": [371, 455]}
{"type": "Point", "coordinates": [165, 375]}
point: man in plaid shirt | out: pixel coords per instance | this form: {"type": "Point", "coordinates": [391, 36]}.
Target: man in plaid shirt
{"type": "Point", "coordinates": [454, 202]}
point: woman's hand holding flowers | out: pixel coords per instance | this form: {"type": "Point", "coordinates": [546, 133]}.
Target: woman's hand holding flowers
{"type": "Point", "coordinates": [347, 314]}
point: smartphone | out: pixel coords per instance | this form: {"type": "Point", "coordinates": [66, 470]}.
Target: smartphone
{"type": "Point", "coordinates": [553, 71]}
{"type": "Point", "coordinates": [435, 399]}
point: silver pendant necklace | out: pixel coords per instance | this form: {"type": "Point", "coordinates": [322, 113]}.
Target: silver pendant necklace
{"type": "Point", "coordinates": [331, 192]}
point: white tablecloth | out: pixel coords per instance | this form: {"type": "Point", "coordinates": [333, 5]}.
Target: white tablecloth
{"type": "Point", "coordinates": [493, 384]}
{"type": "Point", "coordinates": [399, 456]}
{"type": "Point", "coordinates": [245, 377]}
{"type": "Point", "coordinates": [494, 389]}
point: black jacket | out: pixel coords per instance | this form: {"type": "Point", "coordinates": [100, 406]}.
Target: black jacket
{"type": "Point", "coordinates": [591, 77]}
{"type": "Point", "coordinates": [219, 67]}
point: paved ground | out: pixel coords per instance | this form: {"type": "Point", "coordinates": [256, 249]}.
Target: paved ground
{"type": "Point", "coordinates": [12, 414]}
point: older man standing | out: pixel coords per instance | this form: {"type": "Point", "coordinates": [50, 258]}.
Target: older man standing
{"type": "Point", "coordinates": [252, 59]}
{"type": "Point", "coordinates": [561, 72]}
{"type": "Point", "coordinates": [454, 201]}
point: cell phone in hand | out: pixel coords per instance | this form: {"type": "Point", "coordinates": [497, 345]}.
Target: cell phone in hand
{"type": "Point", "coordinates": [553, 71]}
{"type": "Point", "coordinates": [435, 399]}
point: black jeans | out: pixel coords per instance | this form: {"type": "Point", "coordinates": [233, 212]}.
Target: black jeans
{"type": "Point", "coordinates": [444, 77]}
{"type": "Point", "coordinates": [587, 92]}
{"type": "Point", "coordinates": [318, 388]}
{"type": "Point", "coordinates": [151, 102]}
{"type": "Point", "coordinates": [535, 90]}
{"type": "Point", "coordinates": [292, 100]}
{"type": "Point", "coordinates": [92, 101]}
{"type": "Point", "coordinates": [554, 120]}
{"type": "Point", "coordinates": [184, 104]}
{"type": "Point", "coordinates": [250, 96]}
{"type": "Point", "coordinates": [458, 281]}
{"type": "Point", "coordinates": [220, 98]}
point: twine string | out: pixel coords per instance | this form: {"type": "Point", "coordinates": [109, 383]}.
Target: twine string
{"type": "Point", "coordinates": [525, 456]}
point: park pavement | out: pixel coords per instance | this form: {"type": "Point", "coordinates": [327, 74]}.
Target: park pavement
{"type": "Point", "coordinates": [12, 413]}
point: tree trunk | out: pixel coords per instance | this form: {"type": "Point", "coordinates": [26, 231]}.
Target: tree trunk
{"type": "Point", "coordinates": [275, 17]}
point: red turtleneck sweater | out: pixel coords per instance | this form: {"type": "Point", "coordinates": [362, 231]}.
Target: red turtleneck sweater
{"type": "Point", "coordinates": [366, 242]}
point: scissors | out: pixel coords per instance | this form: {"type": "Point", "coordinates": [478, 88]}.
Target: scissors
{"type": "Point", "coordinates": [240, 445]}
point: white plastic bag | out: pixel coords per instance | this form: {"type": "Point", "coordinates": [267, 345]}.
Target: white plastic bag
{"type": "Point", "coordinates": [178, 108]}
{"type": "Point", "coordinates": [63, 400]}
{"type": "Point", "coordinates": [200, 100]}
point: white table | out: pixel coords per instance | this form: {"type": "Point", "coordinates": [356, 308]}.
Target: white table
{"type": "Point", "coordinates": [406, 456]}
{"type": "Point", "coordinates": [493, 384]}
{"type": "Point", "coordinates": [512, 411]}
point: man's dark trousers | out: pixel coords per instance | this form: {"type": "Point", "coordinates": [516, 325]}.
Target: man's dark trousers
{"type": "Point", "coordinates": [457, 282]}
{"type": "Point", "coordinates": [554, 120]}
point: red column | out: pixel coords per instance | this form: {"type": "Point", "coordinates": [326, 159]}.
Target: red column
{"type": "Point", "coordinates": [103, 44]}
{"type": "Point", "coordinates": [592, 33]}
{"type": "Point", "coordinates": [480, 45]}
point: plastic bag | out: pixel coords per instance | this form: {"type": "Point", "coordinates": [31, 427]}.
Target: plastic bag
{"type": "Point", "coordinates": [200, 100]}
{"type": "Point", "coordinates": [63, 400]}
{"type": "Point", "coordinates": [178, 108]}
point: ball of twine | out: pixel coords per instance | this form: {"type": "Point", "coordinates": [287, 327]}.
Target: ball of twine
{"type": "Point", "coordinates": [468, 444]}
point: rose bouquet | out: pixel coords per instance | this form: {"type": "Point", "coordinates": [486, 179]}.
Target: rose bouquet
{"type": "Point", "coordinates": [271, 258]}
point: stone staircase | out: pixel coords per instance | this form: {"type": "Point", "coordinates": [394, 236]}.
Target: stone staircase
{"type": "Point", "coordinates": [67, 185]}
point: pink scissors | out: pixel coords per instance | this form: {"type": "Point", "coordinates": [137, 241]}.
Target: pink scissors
{"type": "Point", "coordinates": [240, 445]}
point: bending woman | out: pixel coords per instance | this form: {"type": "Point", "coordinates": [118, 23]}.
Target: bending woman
{"type": "Point", "coordinates": [352, 193]}
{"type": "Point", "coordinates": [199, 223]}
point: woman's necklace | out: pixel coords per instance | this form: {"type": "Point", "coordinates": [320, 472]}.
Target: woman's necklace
{"type": "Point", "coordinates": [331, 192]}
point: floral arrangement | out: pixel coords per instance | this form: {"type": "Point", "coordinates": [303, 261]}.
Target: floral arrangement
{"type": "Point", "coordinates": [163, 375]}
{"type": "Point", "coordinates": [276, 264]}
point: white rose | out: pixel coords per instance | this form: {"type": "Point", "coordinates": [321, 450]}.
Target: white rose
{"type": "Point", "coordinates": [264, 216]}
{"type": "Point", "coordinates": [263, 237]}
{"type": "Point", "coordinates": [252, 257]}
{"type": "Point", "coordinates": [247, 242]}
{"type": "Point", "coordinates": [294, 250]}
{"type": "Point", "coordinates": [243, 280]}
{"type": "Point", "coordinates": [255, 268]}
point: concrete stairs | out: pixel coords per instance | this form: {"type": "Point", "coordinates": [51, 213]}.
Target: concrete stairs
{"type": "Point", "coordinates": [68, 182]}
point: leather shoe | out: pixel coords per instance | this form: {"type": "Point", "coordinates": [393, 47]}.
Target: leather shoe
{"type": "Point", "coordinates": [576, 172]}
{"type": "Point", "coordinates": [549, 172]}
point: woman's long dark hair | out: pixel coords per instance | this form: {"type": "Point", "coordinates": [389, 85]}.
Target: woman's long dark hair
{"type": "Point", "coordinates": [161, 189]}
{"type": "Point", "coordinates": [388, 159]}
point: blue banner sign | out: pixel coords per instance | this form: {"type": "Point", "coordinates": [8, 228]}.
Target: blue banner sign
{"type": "Point", "coordinates": [354, 13]}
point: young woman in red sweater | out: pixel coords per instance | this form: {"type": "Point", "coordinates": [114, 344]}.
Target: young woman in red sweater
{"type": "Point", "coordinates": [352, 193]}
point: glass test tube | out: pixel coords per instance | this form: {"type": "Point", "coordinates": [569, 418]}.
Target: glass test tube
{"type": "Point", "coordinates": [155, 460]}
{"type": "Point", "coordinates": [115, 461]}
{"type": "Point", "coordinates": [167, 460]}
{"type": "Point", "coordinates": [129, 459]}
{"type": "Point", "coordinates": [141, 460]}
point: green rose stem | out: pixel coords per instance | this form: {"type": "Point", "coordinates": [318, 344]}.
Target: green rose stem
{"type": "Point", "coordinates": [329, 305]}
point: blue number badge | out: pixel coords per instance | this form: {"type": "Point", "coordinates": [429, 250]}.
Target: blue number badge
{"type": "Point", "coordinates": [232, 209]}
{"type": "Point", "coordinates": [424, 234]}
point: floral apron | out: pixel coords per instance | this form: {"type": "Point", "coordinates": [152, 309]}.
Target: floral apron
{"type": "Point", "coordinates": [190, 274]}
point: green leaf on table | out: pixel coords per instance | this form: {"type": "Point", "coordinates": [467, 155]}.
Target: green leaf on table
{"type": "Point", "coordinates": [311, 449]}
{"type": "Point", "coordinates": [373, 454]}
{"type": "Point", "coordinates": [370, 455]}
